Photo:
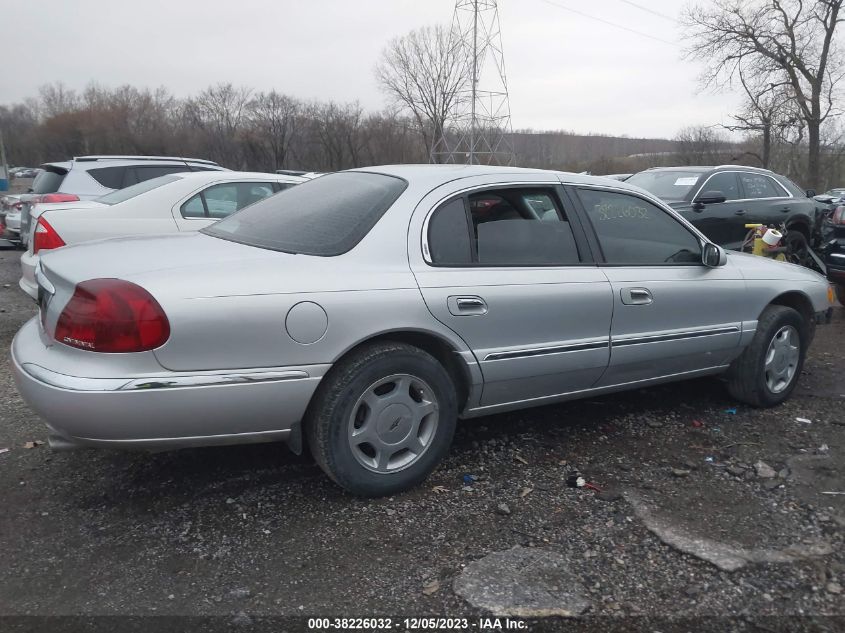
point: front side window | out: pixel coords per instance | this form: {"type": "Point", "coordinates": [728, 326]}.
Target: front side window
{"type": "Point", "coordinates": [327, 216]}
{"type": "Point", "coordinates": [633, 231]}
{"type": "Point", "coordinates": [502, 227]}
{"type": "Point", "coordinates": [760, 186]}
{"type": "Point", "coordinates": [220, 201]}
{"type": "Point", "coordinates": [725, 182]}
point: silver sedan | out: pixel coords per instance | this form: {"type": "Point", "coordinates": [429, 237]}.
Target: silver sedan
{"type": "Point", "coordinates": [360, 314]}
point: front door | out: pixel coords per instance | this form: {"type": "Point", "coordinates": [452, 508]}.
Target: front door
{"type": "Point", "coordinates": [506, 267]}
{"type": "Point", "coordinates": [671, 314]}
{"type": "Point", "coordinates": [724, 222]}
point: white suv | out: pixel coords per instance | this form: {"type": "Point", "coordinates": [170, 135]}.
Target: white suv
{"type": "Point", "coordinates": [89, 177]}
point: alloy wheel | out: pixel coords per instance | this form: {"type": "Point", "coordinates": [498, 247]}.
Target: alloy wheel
{"type": "Point", "coordinates": [393, 423]}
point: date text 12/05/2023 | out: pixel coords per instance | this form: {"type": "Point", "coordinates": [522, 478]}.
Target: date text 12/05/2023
{"type": "Point", "coordinates": [417, 624]}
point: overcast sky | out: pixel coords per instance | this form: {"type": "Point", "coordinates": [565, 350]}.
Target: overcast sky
{"type": "Point", "coordinates": [565, 71]}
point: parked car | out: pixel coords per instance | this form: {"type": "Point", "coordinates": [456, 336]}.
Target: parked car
{"type": "Point", "coordinates": [366, 310]}
{"type": "Point", "coordinates": [10, 215]}
{"type": "Point", "coordinates": [186, 201]}
{"type": "Point", "coordinates": [720, 201]}
{"type": "Point", "coordinates": [832, 195]}
{"type": "Point", "coordinates": [89, 177]}
{"type": "Point", "coordinates": [833, 249]}
{"type": "Point", "coordinates": [26, 172]}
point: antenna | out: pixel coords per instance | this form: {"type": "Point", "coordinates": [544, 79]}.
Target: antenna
{"type": "Point", "coordinates": [479, 129]}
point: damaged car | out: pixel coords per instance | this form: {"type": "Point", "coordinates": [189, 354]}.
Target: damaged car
{"type": "Point", "coordinates": [360, 314]}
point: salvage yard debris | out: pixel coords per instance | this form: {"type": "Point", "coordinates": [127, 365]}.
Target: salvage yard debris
{"type": "Point", "coordinates": [33, 444]}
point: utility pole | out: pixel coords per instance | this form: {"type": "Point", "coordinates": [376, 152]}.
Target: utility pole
{"type": "Point", "coordinates": [479, 129]}
{"type": "Point", "coordinates": [4, 168]}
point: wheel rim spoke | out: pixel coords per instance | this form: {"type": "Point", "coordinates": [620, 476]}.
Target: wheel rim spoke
{"type": "Point", "coordinates": [781, 360]}
{"type": "Point", "coordinates": [393, 423]}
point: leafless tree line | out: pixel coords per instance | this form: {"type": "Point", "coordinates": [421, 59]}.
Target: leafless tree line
{"type": "Point", "coordinates": [784, 55]}
{"type": "Point", "coordinates": [237, 127]}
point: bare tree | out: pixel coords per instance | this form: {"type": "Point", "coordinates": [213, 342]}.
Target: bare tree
{"type": "Point", "coordinates": [769, 111]}
{"type": "Point", "coordinates": [273, 119]}
{"type": "Point", "coordinates": [790, 38]}
{"type": "Point", "coordinates": [219, 112]}
{"type": "Point", "coordinates": [423, 73]}
{"type": "Point", "coordinates": [702, 145]}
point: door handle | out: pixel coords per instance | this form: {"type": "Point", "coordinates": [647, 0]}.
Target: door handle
{"type": "Point", "coordinates": [739, 212]}
{"type": "Point", "coordinates": [466, 306]}
{"type": "Point", "coordinates": [636, 296]}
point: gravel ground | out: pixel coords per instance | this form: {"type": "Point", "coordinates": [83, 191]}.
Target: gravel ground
{"type": "Point", "coordinates": [242, 533]}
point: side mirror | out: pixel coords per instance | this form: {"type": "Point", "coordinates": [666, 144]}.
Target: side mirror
{"type": "Point", "coordinates": [710, 197]}
{"type": "Point", "coordinates": [811, 193]}
{"type": "Point", "coordinates": [713, 256]}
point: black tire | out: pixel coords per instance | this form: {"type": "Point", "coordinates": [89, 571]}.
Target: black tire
{"type": "Point", "coordinates": [840, 294]}
{"type": "Point", "coordinates": [798, 248]}
{"type": "Point", "coordinates": [328, 418]}
{"type": "Point", "coordinates": [746, 376]}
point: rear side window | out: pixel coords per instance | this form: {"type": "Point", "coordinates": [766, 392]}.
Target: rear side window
{"type": "Point", "coordinates": [48, 181]}
{"type": "Point", "coordinates": [503, 227]}
{"type": "Point", "coordinates": [759, 186]}
{"type": "Point", "coordinates": [633, 231]}
{"type": "Point", "coordinates": [111, 177]}
{"type": "Point", "coordinates": [140, 173]}
{"type": "Point", "coordinates": [327, 216]}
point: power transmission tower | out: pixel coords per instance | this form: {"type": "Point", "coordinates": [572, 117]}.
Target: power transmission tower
{"type": "Point", "coordinates": [479, 130]}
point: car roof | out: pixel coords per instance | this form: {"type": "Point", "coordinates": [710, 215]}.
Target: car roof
{"type": "Point", "coordinates": [435, 175]}
{"type": "Point", "coordinates": [237, 175]}
{"type": "Point", "coordinates": [176, 159]}
{"type": "Point", "coordinates": [705, 168]}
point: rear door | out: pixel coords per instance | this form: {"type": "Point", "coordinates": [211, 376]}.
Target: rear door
{"type": "Point", "coordinates": [766, 198]}
{"type": "Point", "coordinates": [671, 314]}
{"type": "Point", "coordinates": [506, 266]}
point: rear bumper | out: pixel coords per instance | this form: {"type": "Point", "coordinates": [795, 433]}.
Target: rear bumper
{"type": "Point", "coordinates": [167, 410]}
{"type": "Point", "coordinates": [27, 281]}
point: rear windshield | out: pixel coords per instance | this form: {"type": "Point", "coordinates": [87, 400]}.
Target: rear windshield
{"type": "Point", "coordinates": [668, 185]}
{"type": "Point", "coordinates": [327, 216]}
{"type": "Point", "coordinates": [121, 195]}
{"type": "Point", "coordinates": [48, 181]}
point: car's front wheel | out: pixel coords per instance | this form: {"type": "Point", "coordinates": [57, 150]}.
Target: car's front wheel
{"type": "Point", "coordinates": [382, 419]}
{"type": "Point", "coordinates": [767, 371]}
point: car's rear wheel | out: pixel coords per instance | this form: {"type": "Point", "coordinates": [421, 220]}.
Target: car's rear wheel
{"type": "Point", "coordinates": [767, 370]}
{"type": "Point", "coordinates": [798, 248]}
{"type": "Point", "coordinates": [382, 419]}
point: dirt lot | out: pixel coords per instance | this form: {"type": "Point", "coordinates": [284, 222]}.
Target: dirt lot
{"type": "Point", "coordinates": [685, 525]}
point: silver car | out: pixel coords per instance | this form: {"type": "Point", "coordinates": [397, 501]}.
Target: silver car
{"type": "Point", "coordinates": [361, 313]}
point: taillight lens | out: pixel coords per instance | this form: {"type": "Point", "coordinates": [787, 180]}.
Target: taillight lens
{"type": "Point", "coordinates": [838, 216]}
{"type": "Point", "coordinates": [45, 237]}
{"type": "Point", "coordinates": [56, 197]}
{"type": "Point", "coordinates": [112, 315]}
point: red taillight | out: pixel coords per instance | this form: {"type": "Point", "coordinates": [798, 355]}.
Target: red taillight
{"type": "Point", "coordinates": [112, 315]}
{"type": "Point", "coordinates": [838, 216]}
{"type": "Point", "coordinates": [56, 197]}
{"type": "Point", "coordinates": [45, 237]}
